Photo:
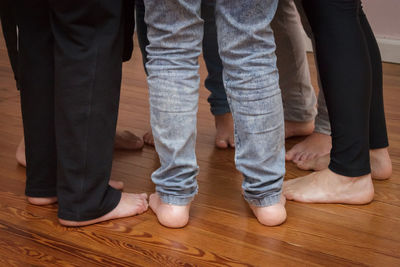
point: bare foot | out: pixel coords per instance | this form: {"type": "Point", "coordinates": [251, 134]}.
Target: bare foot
{"type": "Point", "coordinates": [272, 215]}
{"type": "Point", "coordinates": [119, 185]}
{"type": "Point", "coordinates": [127, 140]}
{"type": "Point", "coordinates": [294, 128]}
{"type": "Point", "coordinates": [224, 125]}
{"type": "Point", "coordinates": [172, 216]}
{"type": "Point", "coordinates": [148, 138]}
{"type": "Point", "coordinates": [381, 164]}
{"type": "Point", "coordinates": [129, 205]}
{"type": "Point", "coordinates": [20, 154]}
{"type": "Point", "coordinates": [328, 187]}
{"type": "Point", "coordinates": [41, 201]}
{"type": "Point", "coordinates": [313, 146]}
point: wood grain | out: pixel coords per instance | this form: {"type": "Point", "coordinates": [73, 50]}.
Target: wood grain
{"type": "Point", "coordinates": [222, 230]}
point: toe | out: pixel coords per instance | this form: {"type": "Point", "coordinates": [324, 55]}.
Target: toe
{"type": "Point", "coordinates": [220, 143]}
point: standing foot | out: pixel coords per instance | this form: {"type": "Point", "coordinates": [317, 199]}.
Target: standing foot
{"type": "Point", "coordinates": [328, 187]}
{"type": "Point", "coordinates": [313, 146]}
{"type": "Point", "coordinates": [127, 140]}
{"type": "Point", "coordinates": [129, 205]}
{"type": "Point", "coordinates": [148, 138]}
{"type": "Point", "coordinates": [381, 164]}
{"type": "Point", "coordinates": [172, 216]}
{"type": "Point", "coordinates": [295, 128]}
{"type": "Point", "coordinates": [20, 154]}
{"type": "Point", "coordinates": [224, 125]}
{"type": "Point", "coordinates": [272, 215]}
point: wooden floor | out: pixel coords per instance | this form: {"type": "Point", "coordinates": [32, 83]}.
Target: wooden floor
{"type": "Point", "coordinates": [222, 230]}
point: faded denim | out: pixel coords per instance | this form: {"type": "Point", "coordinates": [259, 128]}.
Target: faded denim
{"type": "Point", "coordinates": [217, 99]}
{"type": "Point", "coordinates": [247, 50]}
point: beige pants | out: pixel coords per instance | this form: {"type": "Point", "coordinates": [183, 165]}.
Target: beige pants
{"type": "Point", "coordinates": [299, 100]}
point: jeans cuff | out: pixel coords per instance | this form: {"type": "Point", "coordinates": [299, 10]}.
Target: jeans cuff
{"type": "Point", "coordinates": [266, 201]}
{"type": "Point", "coordinates": [176, 200]}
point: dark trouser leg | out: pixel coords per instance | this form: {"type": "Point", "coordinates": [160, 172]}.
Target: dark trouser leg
{"type": "Point", "coordinates": [128, 17]}
{"type": "Point", "coordinates": [217, 99]}
{"type": "Point", "coordinates": [377, 131]}
{"type": "Point", "coordinates": [9, 26]}
{"type": "Point", "coordinates": [37, 97]}
{"type": "Point", "coordinates": [345, 71]}
{"type": "Point", "coordinates": [141, 29]}
{"type": "Point", "coordinates": [88, 60]}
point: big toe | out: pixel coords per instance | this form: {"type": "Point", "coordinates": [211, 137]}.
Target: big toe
{"type": "Point", "coordinates": [290, 155]}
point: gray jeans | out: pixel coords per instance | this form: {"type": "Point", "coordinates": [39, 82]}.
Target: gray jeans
{"type": "Point", "coordinates": [298, 95]}
{"type": "Point", "coordinates": [247, 50]}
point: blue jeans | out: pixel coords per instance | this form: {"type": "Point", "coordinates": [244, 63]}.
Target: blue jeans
{"type": "Point", "coordinates": [217, 99]}
{"type": "Point", "coordinates": [246, 47]}
{"type": "Point", "coordinates": [298, 95]}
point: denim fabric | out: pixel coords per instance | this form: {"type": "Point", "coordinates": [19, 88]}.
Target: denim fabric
{"type": "Point", "coordinates": [247, 50]}
{"type": "Point", "coordinates": [297, 92]}
{"type": "Point", "coordinates": [217, 99]}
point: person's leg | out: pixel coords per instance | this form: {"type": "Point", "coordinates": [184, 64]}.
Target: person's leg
{"type": "Point", "coordinates": [318, 144]}
{"type": "Point", "coordinates": [175, 31]}
{"type": "Point", "coordinates": [251, 79]}
{"type": "Point", "coordinates": [345, 71]}
{"type": "Point", "coordinates": [219, 106]}
{"type": "Point", "coordinates": [87, 87]}
{"type": "Point", "coordinates": [9, 27]}
{"type": "Point", "coordinates": [381, 167]}
{"type": "Point", "coordinates": [141, 30]}
{"type": "Point", "coordinates": [37, 100]}
{"type": "Point", "coordinates": [125, 139]}
{"type": "Point", "coordinates": [299, 101]}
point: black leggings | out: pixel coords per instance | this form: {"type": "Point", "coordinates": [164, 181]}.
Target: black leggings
{"type": "Point", "coordinates": [350, 70]}
{"type": "Point", "coordinates": [9, 27]}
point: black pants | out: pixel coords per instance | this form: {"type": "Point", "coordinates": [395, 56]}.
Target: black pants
{"type": "Point", "coordinates": [9, 27]}
{"type": "Point", "coordinates": [350, 70]}
{"type": "Point", "coordinates": [70, 58]}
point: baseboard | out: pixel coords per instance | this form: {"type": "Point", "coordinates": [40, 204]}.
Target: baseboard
{"type": "Point", "coordinates": [390, 49]}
